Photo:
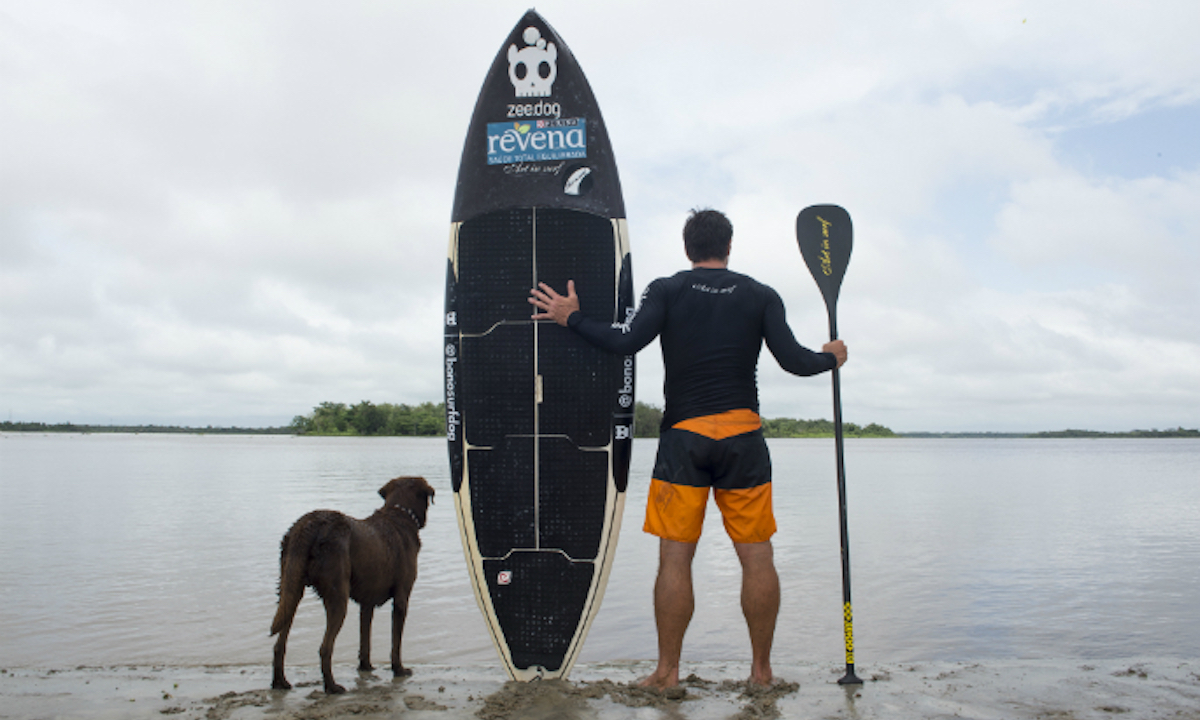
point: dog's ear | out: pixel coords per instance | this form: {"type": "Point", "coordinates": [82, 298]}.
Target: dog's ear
{"type": "Point", "coordinates": [383, 491]}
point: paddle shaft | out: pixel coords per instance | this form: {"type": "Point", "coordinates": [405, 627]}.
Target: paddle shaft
{"type": "Point", "coordinates": [847, 612]}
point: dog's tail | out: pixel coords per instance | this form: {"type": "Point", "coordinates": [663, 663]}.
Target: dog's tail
{"type": "Point", "coordinates": [293, 571]}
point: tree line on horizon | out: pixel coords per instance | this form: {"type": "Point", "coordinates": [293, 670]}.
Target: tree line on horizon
{"type": "Point", "coordinates": [368, 419]}
{"type": "Point", "coordinates": [66, 427]}
{"type": "Point", "coordinates": [428, 419]}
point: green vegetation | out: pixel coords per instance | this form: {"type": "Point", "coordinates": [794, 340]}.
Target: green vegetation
{"type": "Point", "coordinates": [1176, 433]}
{"type": "Point", "coordinates": [646, 419]}
{"type": "Point", "coordinates": [977, 435]}
{"type": "Point", "coordinates": [789, 428]}
{"type": "Point", "coordinates": [9, 426]}
{"type": "Point", "coordinates": [429, 420]}
{"type": "Point", "coordinates": [366, 418]}
{"type": "Point", "coordinates": [1072, 434]}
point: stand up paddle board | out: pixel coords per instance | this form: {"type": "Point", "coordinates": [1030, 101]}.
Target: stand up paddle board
{"type": "Point", "coordinates": [539, 424]}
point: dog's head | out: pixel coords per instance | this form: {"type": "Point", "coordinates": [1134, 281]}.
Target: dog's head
{"type": "Point", "coordinates": [410, 493]}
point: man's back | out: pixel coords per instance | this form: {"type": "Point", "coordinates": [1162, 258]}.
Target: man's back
{"type": "Point", "coordinates": [712, 322]}
{"type": "Point", "coordinates": [710, 342]}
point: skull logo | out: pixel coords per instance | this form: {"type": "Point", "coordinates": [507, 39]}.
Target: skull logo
{"type": "Point", "coordinates": [532, 69]}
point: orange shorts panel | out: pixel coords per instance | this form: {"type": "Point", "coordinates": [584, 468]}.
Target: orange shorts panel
{"type": "Point", "coordinates": [722, 425]}
{"type": "Point", "coordinates": [748, 513]}
{"type": "Point", "coordinates": [676, 512]}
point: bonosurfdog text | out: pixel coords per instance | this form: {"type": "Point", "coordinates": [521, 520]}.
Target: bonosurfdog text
{"type": "Point", "coordinates": [453, 417]}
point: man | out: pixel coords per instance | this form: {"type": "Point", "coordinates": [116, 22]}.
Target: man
{"type": "Point", "coordinates": [711, 322]}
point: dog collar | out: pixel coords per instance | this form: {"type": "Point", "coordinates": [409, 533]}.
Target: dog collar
{"type": "Point", "coordinates": [411, 514]}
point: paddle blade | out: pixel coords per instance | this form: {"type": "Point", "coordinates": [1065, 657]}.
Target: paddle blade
{"type": "Point", "coordinates": [825, 236]}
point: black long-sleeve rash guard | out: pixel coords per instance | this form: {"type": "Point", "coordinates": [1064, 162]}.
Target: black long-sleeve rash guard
{"type": "Point", "coordinates": [712, 323]}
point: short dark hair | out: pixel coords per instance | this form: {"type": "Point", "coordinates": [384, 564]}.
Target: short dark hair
{"type": "Point", "coordinates": [706, 235]}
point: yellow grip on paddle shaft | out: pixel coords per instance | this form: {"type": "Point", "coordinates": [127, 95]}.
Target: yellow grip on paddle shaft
{"type": "Point", "coordinates": [848, 623]}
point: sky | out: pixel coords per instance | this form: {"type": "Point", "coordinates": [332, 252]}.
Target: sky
{"type": "Point", "coordinates": [227, 213]}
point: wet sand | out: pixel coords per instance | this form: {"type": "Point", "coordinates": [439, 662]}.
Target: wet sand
{"type": "Point", "coordinates": [1000, 690]}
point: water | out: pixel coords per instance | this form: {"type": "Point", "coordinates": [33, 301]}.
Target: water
{"type": "Point", "coordinates": [124, 549]}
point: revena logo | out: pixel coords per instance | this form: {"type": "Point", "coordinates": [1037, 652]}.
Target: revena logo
{"type": "Point", "coordinates": [536, 140]}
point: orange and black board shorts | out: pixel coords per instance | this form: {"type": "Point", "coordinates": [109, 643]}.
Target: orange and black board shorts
{"type": "Point", "coordinates": [725, 452]}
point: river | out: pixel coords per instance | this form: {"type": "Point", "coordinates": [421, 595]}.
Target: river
{"type": "Point", "coordinates": [163, 549]}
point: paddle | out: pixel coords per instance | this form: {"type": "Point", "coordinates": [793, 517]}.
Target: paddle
{"type": "Point", "coordinates": [825, 236]}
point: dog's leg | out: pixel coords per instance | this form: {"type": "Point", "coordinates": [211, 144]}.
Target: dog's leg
{"type": "Point", "coordinates": [291, 590]}
{"type": "Point", "coordinates": [335, 615]}
{"type": "Point", "coordinates": [366, 612]}
{"type": "Point", "coordinates": [278, 681]}
{"type": "Point", "coordinates": [399, 613]}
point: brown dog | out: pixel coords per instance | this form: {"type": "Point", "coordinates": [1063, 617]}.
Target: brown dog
{"type": "Point", "coordinates": [369, 561]}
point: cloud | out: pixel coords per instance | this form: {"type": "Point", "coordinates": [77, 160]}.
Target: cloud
{"type": "Point", "coordinates": [227, 213]}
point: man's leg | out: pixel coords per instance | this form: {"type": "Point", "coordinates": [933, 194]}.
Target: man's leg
{"type": "Point", "coordinates": [760, 604]}
{"type": "Point", "coordinates": [673, 605]}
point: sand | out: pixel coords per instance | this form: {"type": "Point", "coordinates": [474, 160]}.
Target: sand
{"type": "Point", "coordinates": [1001, 690]}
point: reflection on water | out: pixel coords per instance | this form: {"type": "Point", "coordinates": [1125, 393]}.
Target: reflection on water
{"type": "Point", "coordinates": [164, 549]}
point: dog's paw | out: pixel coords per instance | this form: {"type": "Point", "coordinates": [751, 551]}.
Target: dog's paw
{"type": "Point", "coordinates": [280, 684]}
{"type": "Point", "coordinates": [401, 671]}
{"type": "Point", "coordinates": [366, 667]}
{"type": "Point", "coordinates": [334, 689]}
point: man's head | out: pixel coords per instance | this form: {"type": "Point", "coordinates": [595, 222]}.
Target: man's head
{"type": "Point", "coordinates": [706, 235]}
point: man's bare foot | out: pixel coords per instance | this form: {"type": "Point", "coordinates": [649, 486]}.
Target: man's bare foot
{"type": "Point", "coordinates": [661, 679]}
{"type": "Point", "coordinates": [761, 680]}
